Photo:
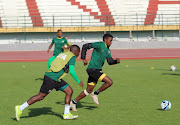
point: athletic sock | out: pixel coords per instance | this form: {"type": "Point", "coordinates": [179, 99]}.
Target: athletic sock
{"type": "Point", "coordinates": [66, 109]}
{"type": "Point", "coordinates": [23, 106]}
{"type": "Point", "coordinates": [96, 92]}
{"type": "Point", "coordinates": [74, 101]}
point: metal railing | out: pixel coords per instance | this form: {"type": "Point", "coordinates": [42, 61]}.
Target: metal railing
{"type": "Point", "coordinates": [82, 20]}
{"type": "Point", "coordinates": [88, 21]}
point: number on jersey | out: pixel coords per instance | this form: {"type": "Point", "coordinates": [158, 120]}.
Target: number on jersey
{"type": "Point", "coordinates": [63, 56]}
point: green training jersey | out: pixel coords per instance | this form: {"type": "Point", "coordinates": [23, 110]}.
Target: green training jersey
{"type": "Point", "coordinates": [100, 53]}
{"type": "Point", "coordinates": [59, 43]}
{"type": "Point", "coordinates": [56, 75]}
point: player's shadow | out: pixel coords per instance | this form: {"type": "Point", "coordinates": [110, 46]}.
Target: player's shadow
{"type": "Point", "coordinates": [171, 74]}
{"type": "Point", "coordinates": [39, 79]}
{"type": "Point", "coordinates": [160, 109]}
{"type": "Point", "coordinates": [34, 112]}
{"type": "Point", "coordinates": [81, 104]}
{"type": "Point", "coordinates": [163, 69]}
{"type": "Point", "coordinates": [166, 70]}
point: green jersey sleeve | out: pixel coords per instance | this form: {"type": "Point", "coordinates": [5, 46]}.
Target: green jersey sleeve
{"type": "Point", "coordinates": [72, 69]}
{"type": "Point", "coordinates": [53, 41]}
{"type": "Point", "coordinates": [73, 73]}
{"type": "Point", "coordinates": [96, 45]}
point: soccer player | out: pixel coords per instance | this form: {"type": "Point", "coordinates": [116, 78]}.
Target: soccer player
{"type": "Point", "coordinates": [101, 52]}
{"type": "Point", "coordinates": [59, 42]}
{"type": "Point", "coordinates": [63, 64]}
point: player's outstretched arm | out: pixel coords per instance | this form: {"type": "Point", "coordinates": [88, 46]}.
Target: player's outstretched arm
{"type": "Point", "coordinates": [111, 61]}
{"type": "Point", "coordinates": [73, 74]}
{"type": "Point", "coordinates": [68, 46]}
{"type": "Point", "coordinates": [81, 84]}
{"type": "Point", "coordinates": [50, 46]}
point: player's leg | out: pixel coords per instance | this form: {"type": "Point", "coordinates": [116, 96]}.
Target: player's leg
{"type": "Point", "coordinates": [107, 83]}
{"type": "Point", "coordinates": [40, 96]}
{"type": "Point", "coordinates": [19, 108]}
{"type": "Point", "coordinates": [100, 76]}
{"type": "Point", "coordinates": [68, 91]}
{"type": "Point", "coordinates": [86, 92]}
{"type": "Point", "coordinates": [46, 88]}
{"type": "Point", "coordinates": [50, 61]}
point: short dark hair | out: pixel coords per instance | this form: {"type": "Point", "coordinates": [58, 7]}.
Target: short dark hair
{"type": "Point", "coordinates": [74, 48]}
{"type": "Point", "coordinates": [107, 35]}
{"type": "Point", "coordinates": [59, 30]}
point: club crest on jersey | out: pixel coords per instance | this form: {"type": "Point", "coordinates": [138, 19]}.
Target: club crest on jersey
{"type": "Point", "coordinates": [102, 50]}
{"type": "Point", "coordinates": [63, 41]}
{"type": "Point", "coordinates": [109, 51]}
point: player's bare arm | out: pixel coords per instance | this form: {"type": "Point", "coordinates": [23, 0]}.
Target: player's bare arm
{"type": "Point", "coordinates": [85, 62]}
{"type": "Point", "coordinates": [50, 46]}
{"type": "Point", "coordinates": [81, 84]}
{"type": "Point", "coordinates": [118, 60]}
{"type": "Point", "coordinates": [68, 46]}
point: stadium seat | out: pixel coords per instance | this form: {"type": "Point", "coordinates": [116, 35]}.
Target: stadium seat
{"type": "Point", "coordinates": [39, 13]}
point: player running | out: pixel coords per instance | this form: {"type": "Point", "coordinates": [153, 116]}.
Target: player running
{"type": "Point", "coordinates": [63, 64]}
{"type": "Point", "coordinates": [59, 42]}
{"type": "Point", "coordinates": [101, 52]}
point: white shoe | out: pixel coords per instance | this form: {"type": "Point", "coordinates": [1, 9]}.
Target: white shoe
{"type": "Point", "coordinates": [70, 116]}
{"type": "Point", "coordinates": [95, 98]}
{"type": "Point", "coordinates": [73, 106]}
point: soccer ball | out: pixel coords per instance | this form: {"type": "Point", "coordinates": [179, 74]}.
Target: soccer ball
{"type": "Point", "coordinates": [165, 105]}
{"type": "Point", "coordinates": [65, 46]}
{"type": "Point", "coordinates": [173, 68]}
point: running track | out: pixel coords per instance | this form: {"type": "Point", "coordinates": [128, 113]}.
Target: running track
{"type": "Point", "coordinates": [39, 56]}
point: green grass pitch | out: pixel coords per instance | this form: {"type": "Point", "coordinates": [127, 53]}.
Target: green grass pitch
{"type": "Point", "coordinates": [133, 99]}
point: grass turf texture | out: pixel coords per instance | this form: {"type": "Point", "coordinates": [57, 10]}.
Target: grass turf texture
{"type": "Point", "coordinates": [133, 99]}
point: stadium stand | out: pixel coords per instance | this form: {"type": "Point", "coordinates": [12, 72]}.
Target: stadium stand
{"type": "Point", "coordinates": [165, 11]}
{"type": "Point", "coordinates": [94, 15]}
{"type": "Point", "coordinates": [14, 13]}
{"type": "Point", "coordinates": [34, 13]}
